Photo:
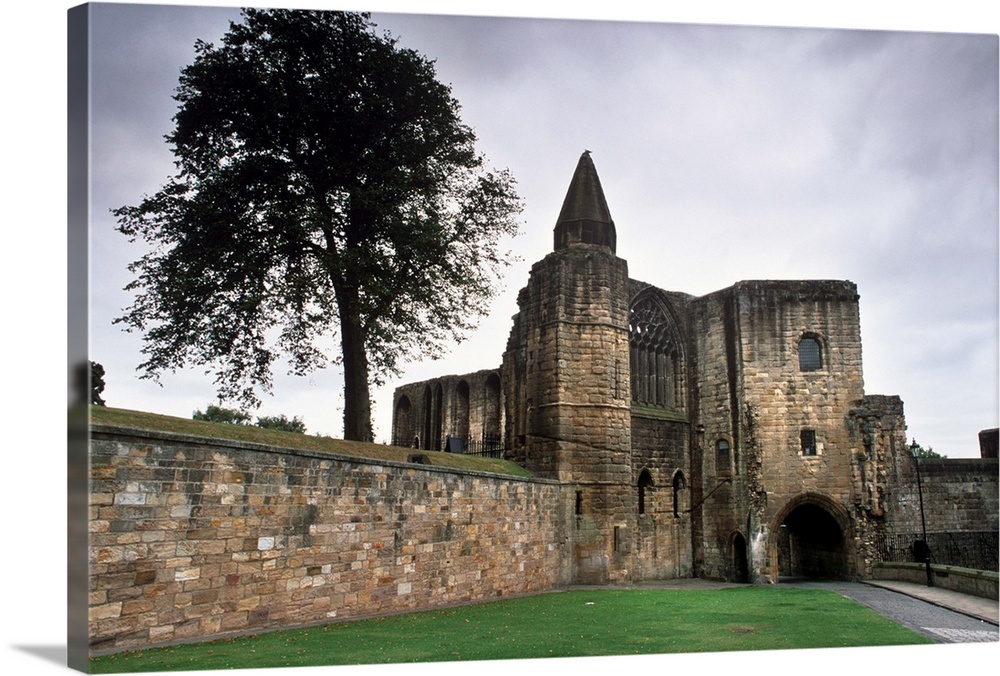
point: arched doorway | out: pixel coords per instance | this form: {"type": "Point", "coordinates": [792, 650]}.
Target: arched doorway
{"type": "Point", "coordinates": [811, 540]}
{"type": "Point", "coordinates": [741, 564]}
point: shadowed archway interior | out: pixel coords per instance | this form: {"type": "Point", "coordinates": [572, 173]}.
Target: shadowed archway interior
{"type": "Point", "coordinates": [811, 544]}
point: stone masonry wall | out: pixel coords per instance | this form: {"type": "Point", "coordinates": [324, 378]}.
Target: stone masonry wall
{"type": "Point", "coordinates": [959, 494]}
{"type": "Point", "coordinates": [963, 494]}
{"type": "Point", "coordinates": [780, 400]}
{"type": "Point", "coordinates": [193, 538]}
{"type": "Point", "coordinates": [718, 489]}
{"type": "Point", "coordinates": [577, 400]}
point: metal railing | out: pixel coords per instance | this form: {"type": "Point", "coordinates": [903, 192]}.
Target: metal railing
{"type": "Point", "coordinates": [973, 549]}
{"type": "Point", "coordinates": [488, 446]}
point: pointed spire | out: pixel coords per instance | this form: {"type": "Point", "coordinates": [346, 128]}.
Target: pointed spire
{"type": "Point", "coordinates": [585, 217]}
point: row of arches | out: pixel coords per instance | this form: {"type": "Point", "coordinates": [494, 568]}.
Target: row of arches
{"type": "Point", "coordinates": [467, 412]}
{"type": "Point", "coordinates": [645, 487]}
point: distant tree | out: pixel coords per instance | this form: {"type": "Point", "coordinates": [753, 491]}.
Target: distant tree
{"type": "Point", "coordinates": [921, 452]}
{"type": "Point", "coordinates": [280, 422]}
{"type": "Point", "coordinates": [218, 414]}
{"type": "Point", "coordinates": [326, 185]}
{"type": "Point", "coordinates": [96, 383]}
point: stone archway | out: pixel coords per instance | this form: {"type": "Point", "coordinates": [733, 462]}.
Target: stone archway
{"type": "Point", "coordinates": [740, 571]}
{"type": "Point", "coordinates": [812, 539]}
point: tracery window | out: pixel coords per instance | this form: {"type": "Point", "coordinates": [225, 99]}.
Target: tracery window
{"type": "Point", "coordinates": [655, 353]}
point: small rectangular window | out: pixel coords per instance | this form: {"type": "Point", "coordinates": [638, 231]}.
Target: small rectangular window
{"type": "Point", "coordinates": [808, 439]}
{"type": "Point", "coordinates": [722, 456]}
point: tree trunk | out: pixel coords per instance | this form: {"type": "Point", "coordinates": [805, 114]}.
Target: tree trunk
{"type": "Point", "coordinates": [357, 397]}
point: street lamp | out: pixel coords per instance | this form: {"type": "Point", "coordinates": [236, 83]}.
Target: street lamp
{"type": "Point", "coordinates": [921, 549]}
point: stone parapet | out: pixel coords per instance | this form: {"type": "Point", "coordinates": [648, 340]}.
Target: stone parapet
{"type": "Point", "coordinates": [984, 583]}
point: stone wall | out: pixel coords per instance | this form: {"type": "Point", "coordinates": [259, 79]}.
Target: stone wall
{"type": "Point", "coordinates": [982, 583]}
{"type": "Point", "coordinates": [193, 538]}
{"type": "Point", "coordinates": [960, 510]}
{"type": "Point", "coordinates": [962, 493]}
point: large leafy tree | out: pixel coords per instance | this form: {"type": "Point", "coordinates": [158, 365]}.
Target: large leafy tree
{"type": "Point", "coordinates": [326, 186]}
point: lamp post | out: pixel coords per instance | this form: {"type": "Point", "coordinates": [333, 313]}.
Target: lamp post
{"type": "Point", "coordinates": [925, 550]}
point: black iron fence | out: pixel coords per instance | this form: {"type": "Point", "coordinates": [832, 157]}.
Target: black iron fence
{"type": "Point", "coordinates": [976, 549]}
{"type": "Point", "coordinates": [488, 446]}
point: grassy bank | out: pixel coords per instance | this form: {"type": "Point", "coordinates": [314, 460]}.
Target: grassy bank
{"type": "Point", "coordinates": [568, 624]}
{"type": "Point", "coordinates": [307, 442]}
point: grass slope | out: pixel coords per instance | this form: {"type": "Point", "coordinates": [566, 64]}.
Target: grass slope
{"type": "Point", "coordinates": [570, 624]}
{"type": "Point", "coordinates": [163, 423]}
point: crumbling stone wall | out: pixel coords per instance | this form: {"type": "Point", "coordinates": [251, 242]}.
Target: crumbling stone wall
{"type": "Point", "coordinates": [754, 394]}
{"type": "Point", "coordinates": [466, 407]}
{"type": "Point", "coordinates": [720, 481]}
{"type": "Point", "coordinates": [757, 420]}
{"type": "Point", "coordinates": [194, 538]}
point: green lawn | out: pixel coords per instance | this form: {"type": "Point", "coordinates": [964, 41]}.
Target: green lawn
{"type": "Point", "coordinates": [567, 624]}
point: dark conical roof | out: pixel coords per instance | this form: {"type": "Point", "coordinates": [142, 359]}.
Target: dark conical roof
{"type": "Point", "coordinates": [585, 217]}
{"type": "Point", "coordinates": [585, 197]}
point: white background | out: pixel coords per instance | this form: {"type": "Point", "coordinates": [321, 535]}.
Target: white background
{"type": "Point", "coordinates": [34, 309]}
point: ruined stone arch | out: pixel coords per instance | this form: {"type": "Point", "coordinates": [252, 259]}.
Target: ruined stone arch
{"type": "Point", "coordinates": [460, 416]}
{"type": "Point", "coordinates": [812, 536]}
{"type": "Point", "coordinates": [738, 569]}
{"type": "Point", "coordinates": [402, 423]}
{"type": "Point", "coordinates": [644, 485]}
{"type": "Point", "coordinates": [656, 351]}
{"type": "Point", "coordinates": [492, 419]}
{"type": "Point", "coordinates": [433, 417]}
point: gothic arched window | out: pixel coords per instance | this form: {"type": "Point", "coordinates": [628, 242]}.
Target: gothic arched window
{"type": "Point", "coordinates": [645, 484]}
{"type": "Point", "coordinates": [679, 484]}
{"type": "Point", "coordinates": [655, 354]}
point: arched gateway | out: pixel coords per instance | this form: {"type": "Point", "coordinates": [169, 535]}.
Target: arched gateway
{"type": "Point", "coordinates": [812, 539]}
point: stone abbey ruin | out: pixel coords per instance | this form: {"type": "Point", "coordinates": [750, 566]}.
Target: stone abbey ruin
{"type": "Point", "coordinates": [725, 437]}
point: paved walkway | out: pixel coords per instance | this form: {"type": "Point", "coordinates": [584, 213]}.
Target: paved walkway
{"type": "Point", "coordinates": [940, 614]}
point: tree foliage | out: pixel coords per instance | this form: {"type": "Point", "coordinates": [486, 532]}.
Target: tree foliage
{"type": "Point", "coordinates": [220, 414]}
{"type": "Point", "coordinates": [920, 452]}
{"type": "Point", "coordinates": [326, 187]}
{"type": "Point", "coordinates": [96, 384]}
{"type": "Point", "coordinates": [281, 422]}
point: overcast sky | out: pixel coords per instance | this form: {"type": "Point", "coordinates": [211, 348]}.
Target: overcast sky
{"type": "Point", "coordinates": [726, 153]}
